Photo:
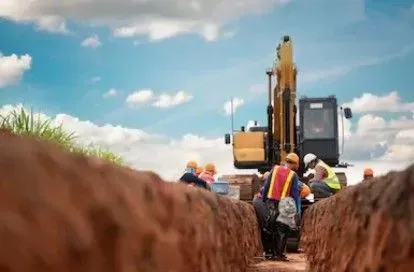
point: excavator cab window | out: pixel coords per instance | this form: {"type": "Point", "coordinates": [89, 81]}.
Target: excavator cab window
{"type": "Point", "coordinates": [318, 122]}
{"type": "Point", "coordinates": [319, 128]}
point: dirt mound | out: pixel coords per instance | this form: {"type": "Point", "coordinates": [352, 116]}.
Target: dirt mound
{"type": "Point", "coordinates": [63, 212]}
{"type": "Point", "coordinates": [367, 227]}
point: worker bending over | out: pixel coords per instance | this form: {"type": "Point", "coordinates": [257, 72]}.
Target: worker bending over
{"type": "Point", "coordinates": [190, 178]}
{"type": "Point", "coordinates": [208, 173]}
{"type": "Point", "coordinates": [281, 197]}
{"type": "Point", "coordinates": [368, 174]}
{"type": "Point", "coordinates": [325, 182]}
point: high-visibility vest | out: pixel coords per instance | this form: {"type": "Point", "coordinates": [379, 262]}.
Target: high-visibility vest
{"type": "Point", "coordinates": [332, 180]}
{"type": "Point", "coordinates": [280, 183]}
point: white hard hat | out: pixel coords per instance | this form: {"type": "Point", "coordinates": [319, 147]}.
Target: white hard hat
{"type": "Point", "coordinates": [308, 158]}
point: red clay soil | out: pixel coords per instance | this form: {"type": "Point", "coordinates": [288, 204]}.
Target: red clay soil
{"type": "Point", "coordinates": [297, 263]}
{"type": "Point", "coordinates": [65, 212]}
{"type": "Point", "coordinates": [367, 227]}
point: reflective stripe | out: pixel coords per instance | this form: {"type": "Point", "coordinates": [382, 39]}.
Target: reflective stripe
{"type": "Point", "coordinates": [280, 183]}
{"type": "Point", "coordinates": [332, 180]}
{"type": "Point", "coordinates": [272, 181]}
{"type": "Point", "coordinates": [288, 183]}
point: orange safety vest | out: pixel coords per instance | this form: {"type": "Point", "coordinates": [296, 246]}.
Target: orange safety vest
{"type": "Point", "coordinates": [280, 183]}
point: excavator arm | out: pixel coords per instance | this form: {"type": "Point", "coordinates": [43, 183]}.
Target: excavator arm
{"type": "Point", "coordinates": [284, 97]}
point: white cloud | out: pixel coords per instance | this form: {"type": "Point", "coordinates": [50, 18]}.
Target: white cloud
{"type": "Point", "coordinates": [139, 97]}
{"type": "Point", "coordinates": [53, 24]}
{"type": "Point", "coordinates": [12, 68]}
{"type": "Point", "coordinates": [169, 101]}
{"type": "Point", "coordinates": [370, 123]}
{"type": "Point", "coordinates": [156, 19]}
{"type": "Point", "coordinates": [91, 42]}
{"type": "Point", "coordinates": [139, 149]}
{"type": "Point", "coordinates": [110, 93]}
{"type": "Point", "coordinates": [164, 100]}
{"type": "Point", "coordinates": [377, 138]}
{"type": "Point", "coordinates": [403, 147]}
{"type": "Point", "coordinates": [390, 102]}
{"type": "Point", "coordinates": [237, 103]}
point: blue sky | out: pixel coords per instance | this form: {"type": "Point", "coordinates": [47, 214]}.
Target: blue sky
{"type": "Point", "coordinates": [345, 48]}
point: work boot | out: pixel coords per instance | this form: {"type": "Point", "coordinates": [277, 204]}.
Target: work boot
{"type": "Point", "coordinates": [269, 255]}
{"type": "Point", "coordinates": [281, 258]}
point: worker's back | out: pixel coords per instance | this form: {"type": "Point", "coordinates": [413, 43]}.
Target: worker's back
{"type": "Point", "coordinates": [279, 183]}
{"type": "Point", "coordinates": [190, 178]}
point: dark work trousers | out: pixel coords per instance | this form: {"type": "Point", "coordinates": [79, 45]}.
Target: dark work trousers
{"type": "Point", "coordinates": [321, 189]}
{"type": "Point", "coordinates": [278, 232]}
{"type": "Point", "coordinates": [262, 214]}
{"type": "Point", "coordinates": [281, 238]}
{"type": "Point", "coordinates": [270, 227]}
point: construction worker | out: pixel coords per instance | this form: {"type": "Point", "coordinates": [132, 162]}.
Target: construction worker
{"type": "Point", "coordinates": [198, 171]}
{"type": "Point", "coordinates": [190, 178]}
{"type": "Point", "coordinates": [280, 186]}
{"type": "Point", "coordinates": [325, 182]}
{"type": "Point", "coordinates": [293, 159]}
{"type": "Point", "coordinates": [208, 173]}
{"type": "Point", "coordinates": [368, 174]}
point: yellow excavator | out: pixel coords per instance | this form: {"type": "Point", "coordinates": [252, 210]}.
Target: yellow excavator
{"type": "Point", "coordinates": [261, 147]}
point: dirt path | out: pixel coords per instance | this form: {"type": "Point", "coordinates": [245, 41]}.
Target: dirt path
{"type": "Point", "coordinates": [297, 263]}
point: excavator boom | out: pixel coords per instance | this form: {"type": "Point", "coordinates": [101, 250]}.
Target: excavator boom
{"type": "Point", "coordinates": [284, 96]}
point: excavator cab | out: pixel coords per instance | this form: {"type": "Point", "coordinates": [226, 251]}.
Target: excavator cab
{"type": "Point", "coordinates": [318, 132]}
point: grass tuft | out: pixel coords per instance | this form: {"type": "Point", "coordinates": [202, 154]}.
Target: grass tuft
{"type": "Point", "coordinates": [21, 122]}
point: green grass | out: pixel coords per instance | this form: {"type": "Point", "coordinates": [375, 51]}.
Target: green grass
{"type": "Point", "coordinates": [21, 122]}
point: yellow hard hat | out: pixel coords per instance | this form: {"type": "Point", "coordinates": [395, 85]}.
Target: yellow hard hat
{"type": "Point", "coordinates": [199, 170]}
{"type": "Point", "coordinates": [210, 167]}
{"type": "Point", "coordinates": [192, 164]}
{"type": "Point", "coordinates": [292, 158]}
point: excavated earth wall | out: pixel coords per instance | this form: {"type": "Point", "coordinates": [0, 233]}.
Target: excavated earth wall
{"type": "Point", "coordinates": [65, 212]}
{"type": "Point", "coordinates": [367, 227]}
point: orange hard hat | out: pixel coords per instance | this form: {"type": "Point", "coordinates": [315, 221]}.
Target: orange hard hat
{"type": "Point", "coordinates": [192, 164]}
{"type": "Point", "coordinates": [304, 191]}
{"type": "Point", "coordinates": [199, 170]}
{"type": "Point", "coordinates": [368, 172]}
{"type": "Point", "coordinates": [292, 158]}
{"type": "Point", "coordinates": [210, 167]}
